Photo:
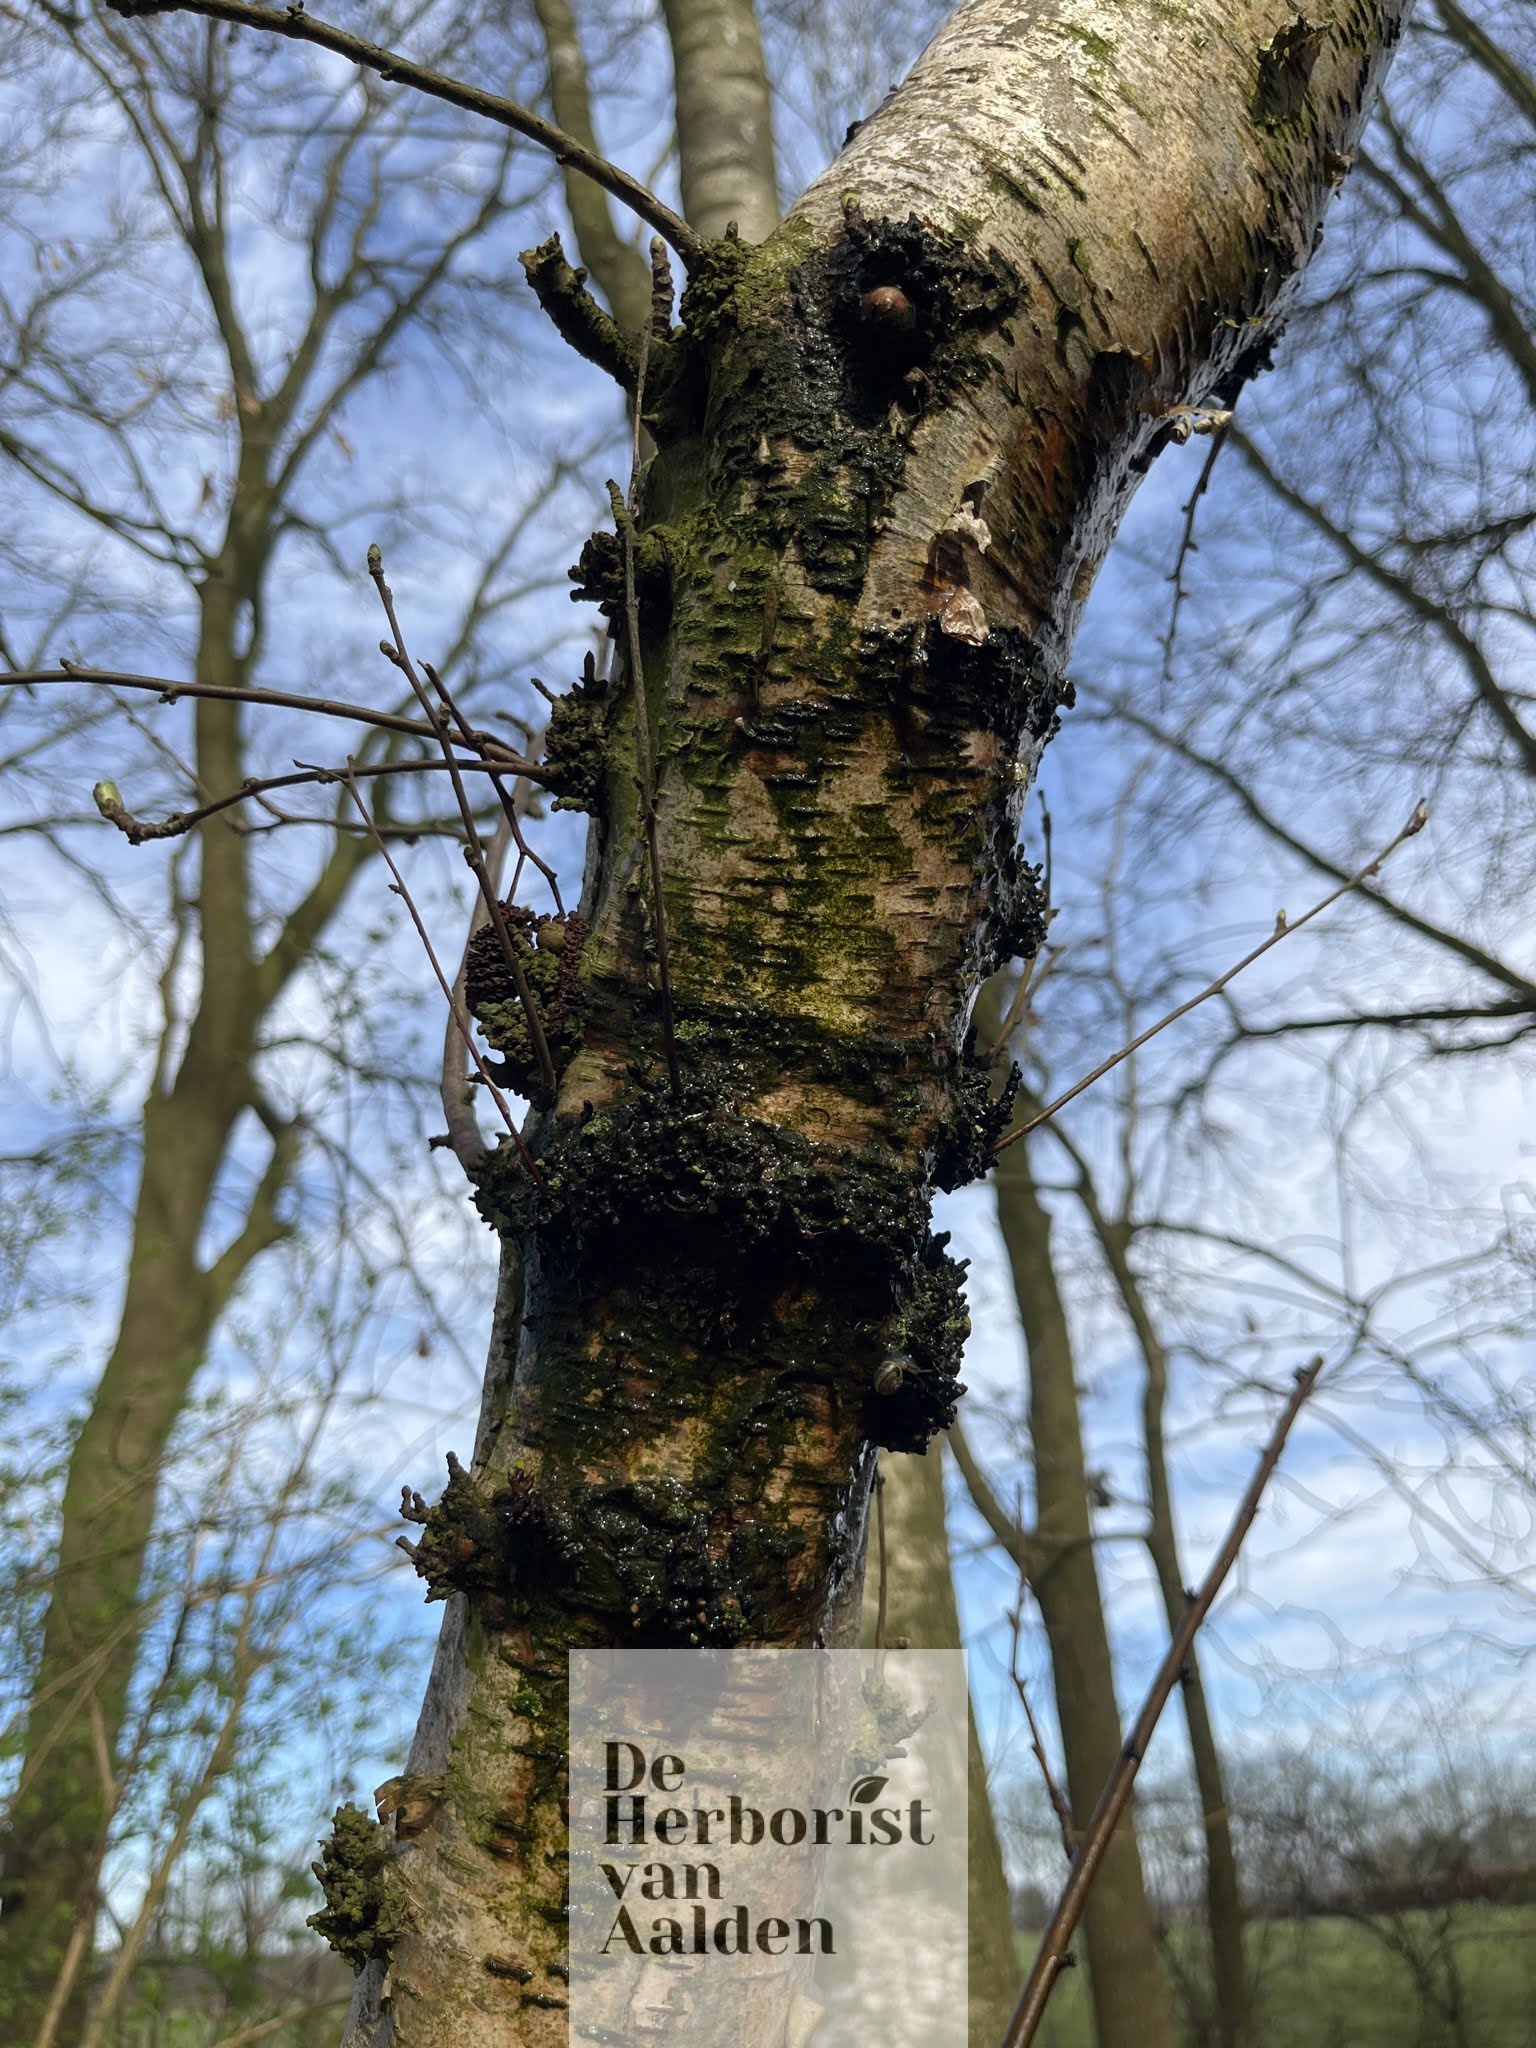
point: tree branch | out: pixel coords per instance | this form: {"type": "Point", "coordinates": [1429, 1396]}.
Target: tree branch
{"type": "Point", "coordinates": [1220, 772]}
{"type": "Point", "coordinates": [1489, 690]}
{"type": "Point", "coordinates": [1051, 1959]}
{"type": "Point", "coordinates": [262, 1227]}
{"type": "Point", "coordinates": [456, 1008]}
{"type": "Point", "coordinates": [617, 266]}
{"type": "Point", "coordinates": [577, 317]}
{"type": "Point", "coordinates": [138, 831]}
{"type": "Point", "coordinates": [395, 69]}
{"type": "Point", "coordinates": [169, 691]}
{"type": "Point", "coordinates": [1013, 1537]}
{"type": "Point", "coordinates": [1282, 930]}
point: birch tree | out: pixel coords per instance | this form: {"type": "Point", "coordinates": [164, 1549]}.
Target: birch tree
{"type": "Point", "coordinates": [892, 441]}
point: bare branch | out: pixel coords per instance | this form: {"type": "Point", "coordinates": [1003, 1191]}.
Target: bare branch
{"type": "Point", "coordinates": [1051, 1959]}
{"type": "Point", "coordinates": [459, 1013]}
{"type": "Point", "coordinates": [169, 691]}
{"type": "Point", "coordinates": [1015, 1539]}
{"type": "Point", "coordinates": [473, 852]}
{"type": "Point", "coordinates": [1059, 1804]}
{"type": "Point", "coordinates": [1283, 930]}
{"type": "Point", "coordinates": [108, 798]}
{"type": "Point", "coordinates": [616, 264]}
{"type": "Point", "coordinates": [390, 66]}
{"type": "Point", "coordinates": [1187, 544]}
{"type": "Point", "coordinates": [1276, 828]}
{"type": "Point", "coordinates": [577, 317]}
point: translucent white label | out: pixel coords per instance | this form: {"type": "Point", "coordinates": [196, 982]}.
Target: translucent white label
{"type": "Point", "coordinates": [768, 1847]}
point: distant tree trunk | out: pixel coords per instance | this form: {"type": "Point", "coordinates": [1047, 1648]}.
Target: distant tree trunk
{"type": "Point", "coordinates": [724, 117]}
{"type": "Point", "coordinates": [893, 442]}
{"type": "Point", "coordinates": [1223, 1891]}
{"type": "Point", "coordinates": [56, 1831]}
{"type": "Point", "coordinates": [1130, 1997]}
{"type": "Point", "coordinates": [921, 1610]}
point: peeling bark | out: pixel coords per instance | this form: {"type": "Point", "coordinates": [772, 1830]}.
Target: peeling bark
{"type": "Point", "coordinates": [893, 443]}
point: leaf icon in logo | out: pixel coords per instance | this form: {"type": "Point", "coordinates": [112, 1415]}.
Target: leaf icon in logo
{"type": "Point", "coordinates": [865, 1791]}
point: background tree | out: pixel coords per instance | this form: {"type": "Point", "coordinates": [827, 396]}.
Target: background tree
{"type": "Point", "coordinates": [181, 441]}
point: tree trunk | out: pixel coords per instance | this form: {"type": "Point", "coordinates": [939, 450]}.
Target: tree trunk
{"type": "Point", "coordinates": [891, 451]}
{"type": "Point", "coordinates": [920, 1610]}
{"type": "Point", "coordinates": [1130, 1997]}
{"type": "Point", "coordinates": [56, 1831]}
{"type": "Point", "coordinates": [1223, 1891]}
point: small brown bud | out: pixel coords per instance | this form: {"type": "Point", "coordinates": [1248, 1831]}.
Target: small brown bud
{"type": "Point", "coordinates": [888, 307]}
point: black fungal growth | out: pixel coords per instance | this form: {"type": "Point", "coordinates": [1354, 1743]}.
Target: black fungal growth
{"type": "Point", "coordinates": [978, 1116]}
{"type": "Point", "coordinates": [576, 743]}
{"type": "Point", "coordinates": [364, 1912]}
{"type": "Point", "coordinates": [1285, 71]}
{"type": "Point", "coordinates": [734, 1224]}
{"type": "Point", "coordinates": [869, 335]}
{"type": "Point", "coordinates": [908, 304]}
{"type": "Point", "coordinates": [549, 953]}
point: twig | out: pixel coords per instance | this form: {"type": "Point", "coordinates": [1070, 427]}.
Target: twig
{"type": "Point", "coordinates": [464, 1137]}
{"type": "Point", "coordinates": [644, 763]}
{"type": "Point", "coordinates": [395, 69]}
{"type": "Point", "coordinates": [1051, 1958]}
{"type": "Point", "coordinates": [1187, 541]}
{"type": "Point", "coordinates": [509, 804]}
{"type": "Point", "coordinates": [168, 691]}
{"type": "Point", "coordinates": [1283, 930]}
{"type": "Point", "coordinates": [456, 1008]}
{"type": "Point", "coordinates": [474, 853]}
{"type": "Point", "coordinates": [108, 798]}
{"type": "Point", "coordinates": [1053, 1791]}
{"type": "Point", "coordinates": [260, 2029]}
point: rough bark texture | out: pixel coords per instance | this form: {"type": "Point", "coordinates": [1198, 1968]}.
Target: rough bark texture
{"type": "Point", "coordinates": [920, 1609]}
{"type": "Point", "coordinates": [892, 445]}
{"type": "Point", "coordinates": [1130, 1998]}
